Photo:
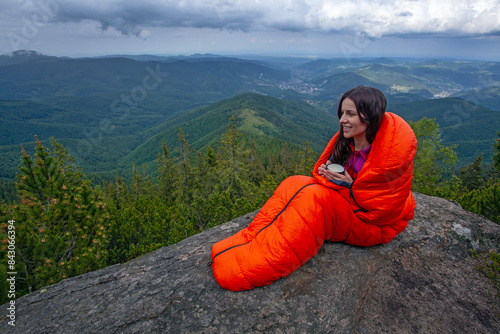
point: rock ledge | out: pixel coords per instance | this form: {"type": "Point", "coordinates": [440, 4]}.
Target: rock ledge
{"type": "Point", "coordinates": [424, 281]}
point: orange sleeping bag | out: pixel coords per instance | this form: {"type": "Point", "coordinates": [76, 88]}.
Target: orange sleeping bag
{"type": "Point", "coordinates": [305, 211]}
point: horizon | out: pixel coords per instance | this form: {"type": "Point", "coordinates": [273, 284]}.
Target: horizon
{"type": "Point", "coordinates": [250, 55]}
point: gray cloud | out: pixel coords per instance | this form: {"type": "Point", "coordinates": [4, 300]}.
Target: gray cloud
{"type": "Point", "coordinates": [130, 18]}
{"type": "Point", "coordinates": [383, 18]}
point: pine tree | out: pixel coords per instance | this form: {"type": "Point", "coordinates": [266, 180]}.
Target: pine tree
{"type": "Point", "coordinates": [167, 174]}
{"type": "Point", "coordinates": [484, 201]}
{"type": "Point", "coordinates": [67, 163]}
{"type": "Point", "coordinates": [287, 165]}
{"type": "Point", "coordinates": [490, 201]}
{"type": "Point", "coordinates": [256, 169]}
{"type": "Point", "coordinates": [185, 182]}
{"type": "Point", "coordinates": [233, 172]}
{"type": "Point", "coordinates": [433, 161]}
{"type": "Point", "coordinates": [496, 155]}
{"type": "Point", "coordinates": [42, 177]}
{"type": "Point", "coordinates": [306, 159]}
{"type": "Point", "coordinates": [118, 192]}
{"type": "Point", "coordinates": [284, 164]}
{"type": "Point", "coordinates": [208, 169]}
{"type": "Point", "coordinates": [274, 168]}
{"type": "Point", "coordinates": [61, 224]}
{"type": "Point", "coordinates": [472, 175]}
{"type": "Point", "coordinates": [141, 183]}
{"type": "Point", "coordinates": [142, 225]}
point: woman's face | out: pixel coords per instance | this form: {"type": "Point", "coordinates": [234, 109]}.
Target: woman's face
{"type": "Point", "coordinates": [351, 123]}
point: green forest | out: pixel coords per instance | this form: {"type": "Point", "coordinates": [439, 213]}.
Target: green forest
{"type": "Point", "coordinates": [67, 224]}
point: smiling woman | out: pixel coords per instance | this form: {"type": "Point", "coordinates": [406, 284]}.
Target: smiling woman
{"type": "Point", "coordinates": [360, 113]}
{"type": "Point", "coordinates": [352, 126]}
{"type": "Point", "coordinates": [369, 204]}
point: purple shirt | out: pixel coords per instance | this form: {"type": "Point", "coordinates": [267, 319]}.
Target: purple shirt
{"type": "Point", "coordinates": [357, 160]}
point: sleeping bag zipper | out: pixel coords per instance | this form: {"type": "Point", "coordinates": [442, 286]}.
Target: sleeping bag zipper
{"type": "Point", "coordinates": [262, 229]}
{"type": "Point", "coordinates": [351, 193]}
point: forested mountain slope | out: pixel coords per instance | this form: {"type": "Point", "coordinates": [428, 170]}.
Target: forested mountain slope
{"type": "Point", "coordinates": [115, 111]}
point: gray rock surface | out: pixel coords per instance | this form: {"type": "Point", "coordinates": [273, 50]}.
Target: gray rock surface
{"type": "Point", "coordinates": [424, 281]}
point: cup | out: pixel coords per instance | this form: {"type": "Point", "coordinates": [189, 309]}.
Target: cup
{"type": "Point", "coordinates": [335, 168]}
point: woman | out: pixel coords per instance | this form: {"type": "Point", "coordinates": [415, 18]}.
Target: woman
{"type": "Point", "coordinates": [357, 131]}
{"type": "Point", "coordinates": [369, 204]}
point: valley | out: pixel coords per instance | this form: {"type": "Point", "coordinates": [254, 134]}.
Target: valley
{"type": "Point", "coordinates": [112, 112]}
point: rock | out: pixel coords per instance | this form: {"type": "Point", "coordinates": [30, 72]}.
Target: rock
{"type": "Point", "coordinates": [424, 281]}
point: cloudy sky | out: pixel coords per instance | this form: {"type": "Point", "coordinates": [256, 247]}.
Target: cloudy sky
{"type": "Point", "coordinates": [468, 29]}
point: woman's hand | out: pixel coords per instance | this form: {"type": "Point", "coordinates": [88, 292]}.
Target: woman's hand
{"type": "Point", "coordinates": [329, 175]}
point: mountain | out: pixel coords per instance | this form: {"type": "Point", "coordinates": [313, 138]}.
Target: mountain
{"type": "Point", "coordinates": [21, 56]}
{"type": "Point", "coordinates": [105, 145]}
{"type": "Point", "coordinates": [327, 67]}
{"type": "Point", "coordinates": [82, 101]}
{"type": "Point", "coordinates": [470, 126]}
{"type": "Point", "coordinates": [270, 122]}
{"type": "Point", "coordinates": [22, 119]}
{"type": "Point", "coordinates": [30, 75]}
{"type": "Point", "coordinates": [334, 86]}
{"type": "Point", "coordinates": [267, 121]}
{"type": "Point", "coordinates": [114, 111]}
{"type": "Point", "coordinates": [44, 78]}
{"type": "Point", "coordinates": [404, 79]}
{"type": "Point", "coordinates": [488, 97]}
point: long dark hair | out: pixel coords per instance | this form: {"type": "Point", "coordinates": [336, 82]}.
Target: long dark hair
{"type": "Point", "coordinates": [370, 104]}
